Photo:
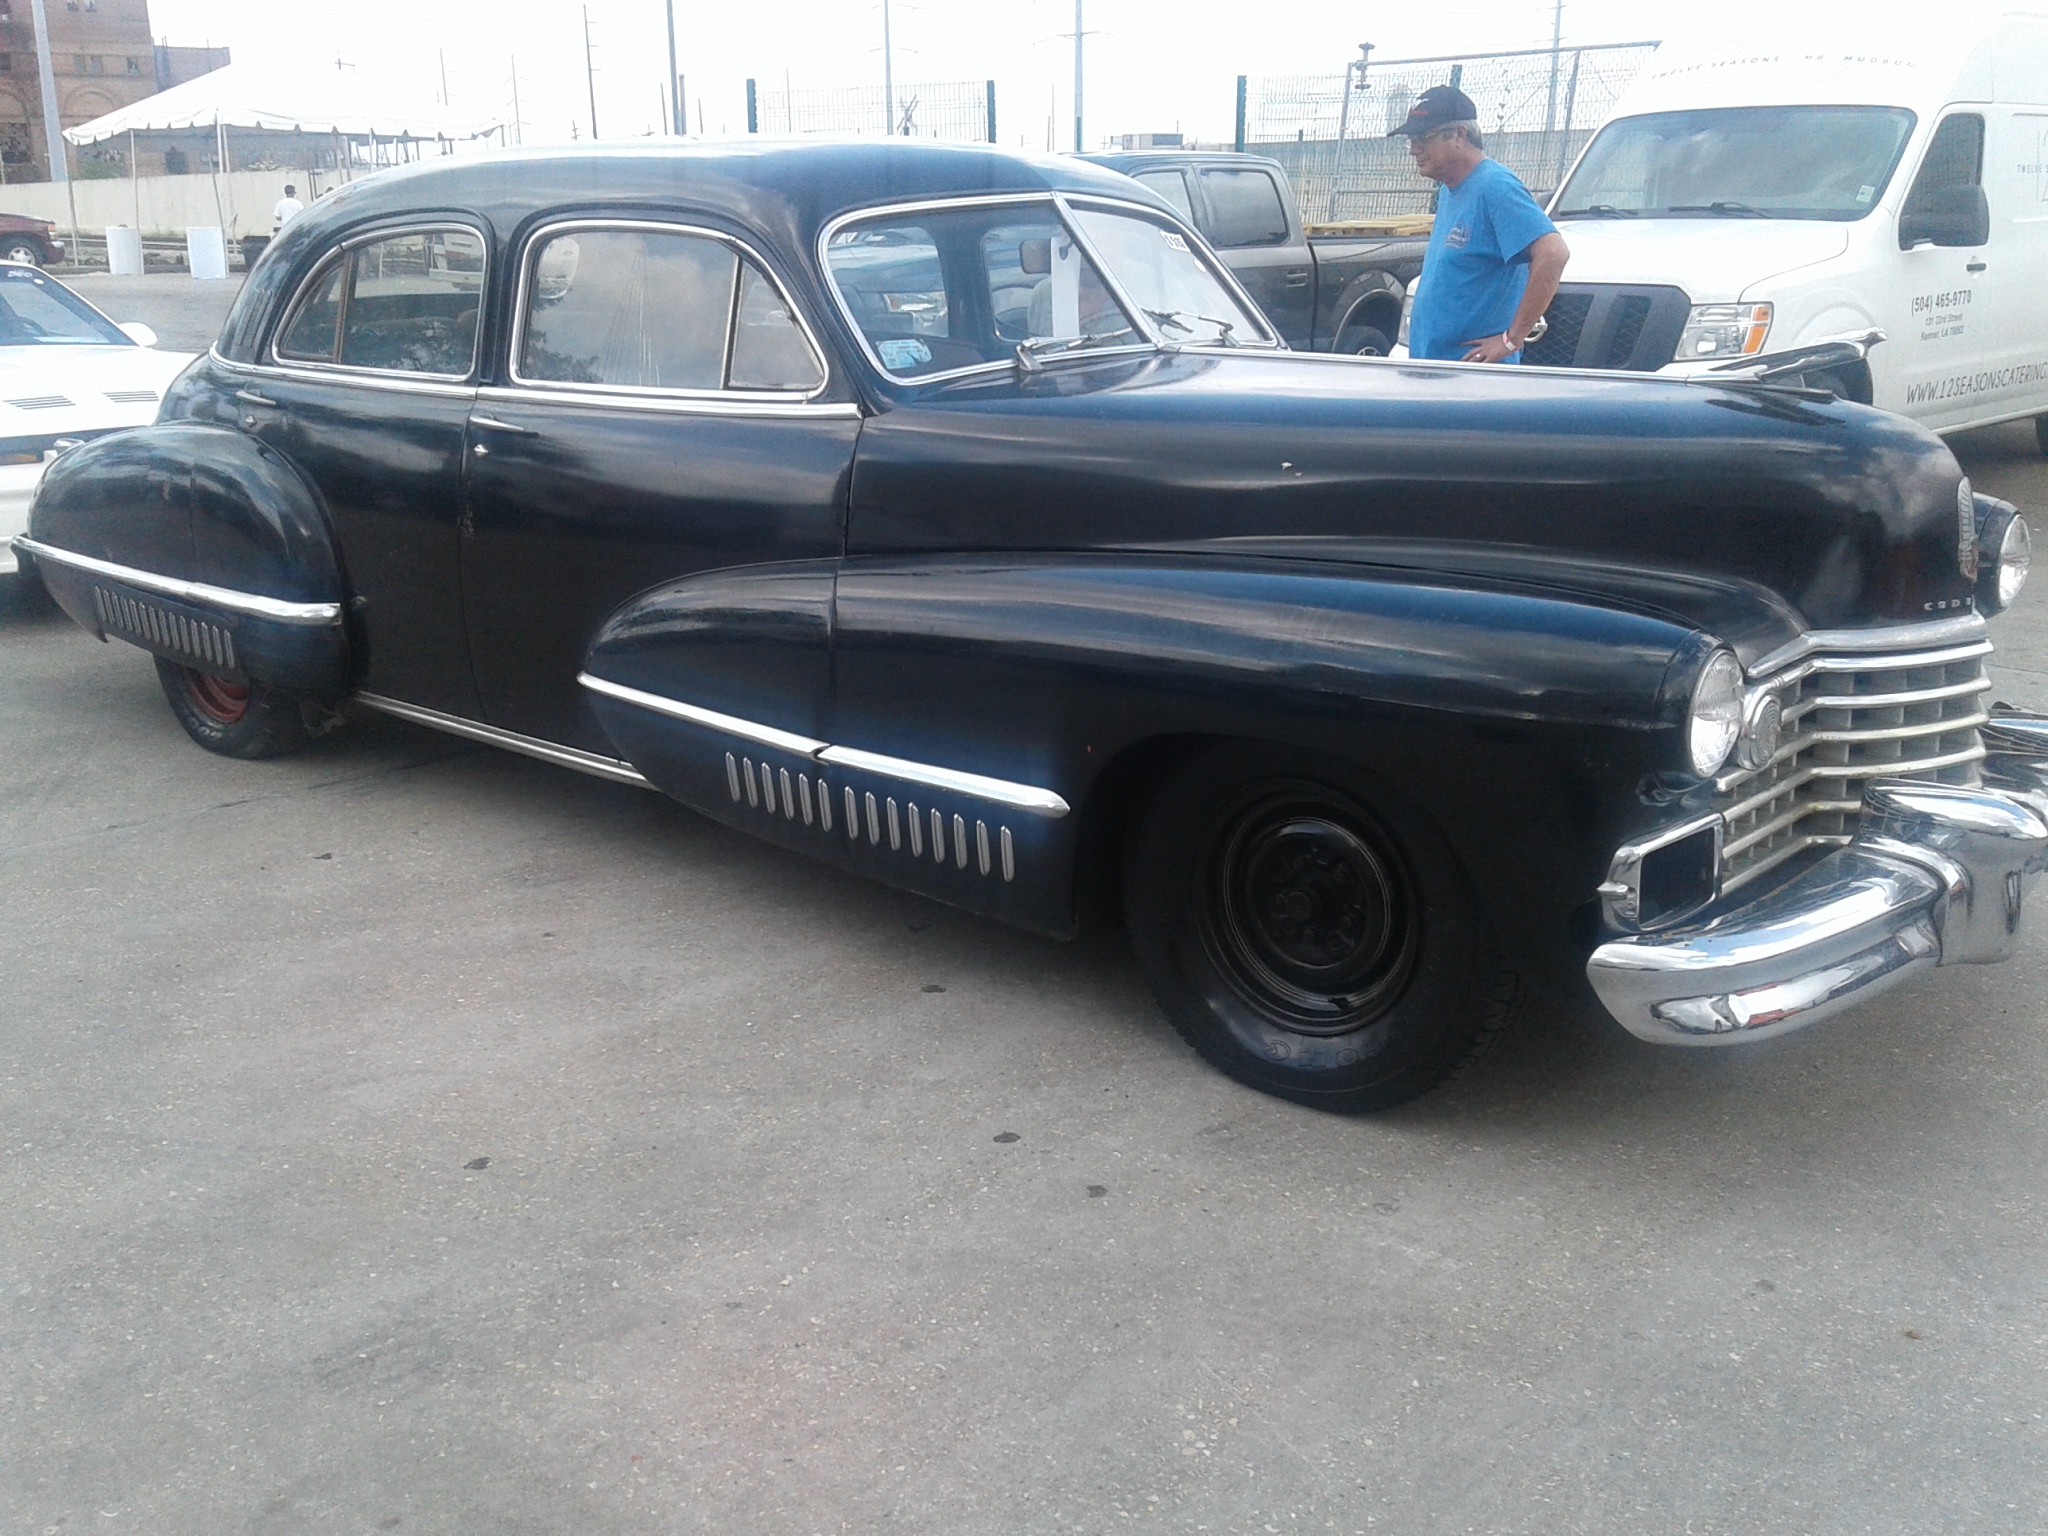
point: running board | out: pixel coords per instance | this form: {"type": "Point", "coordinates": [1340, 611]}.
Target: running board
{"type": "Point", "coordinates": [491, 736]}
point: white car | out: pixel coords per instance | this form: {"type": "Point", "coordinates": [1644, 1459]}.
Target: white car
{"type": "Point", "coordinates": [67, 373]}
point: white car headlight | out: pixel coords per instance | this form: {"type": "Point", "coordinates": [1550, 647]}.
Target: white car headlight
{"type": "Point", "coordinates": [1715, 719]}
{"type": "Point", "coordinates": [2015, 555]}
{"type": "Point", "coordinates": [1723, 330]}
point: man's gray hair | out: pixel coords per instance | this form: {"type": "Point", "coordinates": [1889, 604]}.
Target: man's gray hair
{"type": "Point", "coordinates": [1470, 133]}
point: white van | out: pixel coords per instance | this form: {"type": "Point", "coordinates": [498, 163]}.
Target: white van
{"type": "Point", "coordinates": [1749, 199]}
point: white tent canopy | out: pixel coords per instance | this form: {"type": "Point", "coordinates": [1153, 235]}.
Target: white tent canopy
{"type": "Point", "coordinates": [326, 101]}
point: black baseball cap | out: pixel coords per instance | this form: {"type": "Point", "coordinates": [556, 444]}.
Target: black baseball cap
{"type": "Point", "coordinates": [1437, 107]}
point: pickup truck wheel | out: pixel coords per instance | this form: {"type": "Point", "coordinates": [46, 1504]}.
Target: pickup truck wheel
{"type": "Point", "coordinates": [233, 719]}
{"type": "Point", "coordinates": [22, 250]}
{"type": "Point", "coordinates": [1365, 341]}
{"type": "Point", "coordinates": [1301, 942]}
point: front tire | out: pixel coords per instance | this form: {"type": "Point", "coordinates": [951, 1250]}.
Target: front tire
{"type": "Point", "coordinates": [1365, 341]}
{"type": "Point", "coordinates": [248, 720]}
{"type": "Point", "coordinates": [23, 251]}
{"type": "Point", "coordinates": [1307, 934]}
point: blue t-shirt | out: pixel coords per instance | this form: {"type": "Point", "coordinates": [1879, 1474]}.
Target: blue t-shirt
{"type": "Point", "coordinates": [1477, 265]}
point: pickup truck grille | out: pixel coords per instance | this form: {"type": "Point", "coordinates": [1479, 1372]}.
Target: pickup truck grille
{"type": "Point", "coordinates": [1850, 719]}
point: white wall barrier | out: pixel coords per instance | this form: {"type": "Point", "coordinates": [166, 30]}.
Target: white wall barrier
{"type": "Point", "coordinates": [164, 207]}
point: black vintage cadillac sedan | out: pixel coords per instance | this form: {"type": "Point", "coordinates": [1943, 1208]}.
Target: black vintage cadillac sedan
{"type": "Point", "coordinates": [953, 517]}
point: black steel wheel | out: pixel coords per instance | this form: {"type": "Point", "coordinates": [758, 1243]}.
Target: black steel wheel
{"type": "Point", "coordinates": [1306, 934]}
{"type": "Point", "coordinates": [234, 719]}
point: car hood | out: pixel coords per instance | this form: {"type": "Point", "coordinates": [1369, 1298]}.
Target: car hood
{"type": "Point", "coordinates": [47, 391]}
{"type": "Point", "coordinates": [1751, 513]}
{"type": "Point", "coordinates": [1716, 261]}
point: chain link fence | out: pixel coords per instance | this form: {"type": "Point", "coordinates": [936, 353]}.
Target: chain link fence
{"type": "Point", "coordinates": [962, 111]}
{"type": "Point", "coordinates": [1537, 109]}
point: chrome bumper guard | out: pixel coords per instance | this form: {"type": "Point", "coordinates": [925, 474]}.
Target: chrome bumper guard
{"type": "Point", "coordinates": [1936, 875]}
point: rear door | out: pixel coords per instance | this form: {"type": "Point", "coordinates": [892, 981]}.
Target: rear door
{"type": "Point", "coordinates": [664, 410]}
{"type": "Point", "coordinates": [1248, 223]}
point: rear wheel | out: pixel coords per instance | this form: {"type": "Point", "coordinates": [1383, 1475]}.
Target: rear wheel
{"type": "Point", "coordinates": [233, 719]}
{"type": "Point", "coordinates": [1308, 937]}
{"type": "Point", "coordinates": [22, 250]}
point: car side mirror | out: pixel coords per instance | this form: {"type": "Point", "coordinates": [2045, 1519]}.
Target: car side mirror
{"type": "Point", "coordinates": [1035, 257]}
{"type": "Point", "coordinates": [138, 333]}
{"type": "Point", "coordinates": [1946, 216]}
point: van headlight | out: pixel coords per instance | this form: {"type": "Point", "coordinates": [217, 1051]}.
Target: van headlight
{"type": "Point", "coordinates": [1723, 330]}
{"type": "Point", "coordinates": [1714, 720]}
{"type": "Point", "coordinates": [1407, 309]}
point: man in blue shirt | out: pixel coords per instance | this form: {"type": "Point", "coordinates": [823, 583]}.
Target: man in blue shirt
{"type": "Point", "coordinates": [1494, 257]}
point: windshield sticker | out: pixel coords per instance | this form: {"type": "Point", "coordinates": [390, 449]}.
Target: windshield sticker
{"type": "Point", "coordinates": [903, 352]}
{"type": "Point", "coordinates": [1173, 241]}
{"type": "Point", "coordinates": [1865, 194]}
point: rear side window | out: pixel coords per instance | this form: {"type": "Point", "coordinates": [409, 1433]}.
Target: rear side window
{"type": "Point", "coordinates": [657, 309]}
{"type": "Point", "coordinates": [1246, 207]}
{"type": "Point", "coordinates": [402, 303]}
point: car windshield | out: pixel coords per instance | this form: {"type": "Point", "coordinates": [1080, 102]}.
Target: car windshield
{"type": "Point", "coordinates": [1828, 163]}
{"type": "Point", "coordinates": [39, 311]}
{"type": "Point", "coordinates": [940, 291]}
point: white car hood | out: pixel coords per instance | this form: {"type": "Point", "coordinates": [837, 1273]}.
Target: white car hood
{"type": "Point", "coordinates": [1716, 261]}
{"type": "Point", "coordinates": [56, 389]}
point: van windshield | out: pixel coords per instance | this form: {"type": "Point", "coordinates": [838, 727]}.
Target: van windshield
{"type": "Point", "coordinates": [1739, 163]}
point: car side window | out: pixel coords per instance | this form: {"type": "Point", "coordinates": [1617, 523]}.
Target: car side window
{"type": "Point", "coordinates": [1246, 209]}
{"type": "Point", "coordinates": [1172, 186]}
{"type": "Point", "coordinates": [403, 303]}
{"type": "Point", "coordinates": [657, 309]}
{"type": "Point", "coordinates": [1955, 158]}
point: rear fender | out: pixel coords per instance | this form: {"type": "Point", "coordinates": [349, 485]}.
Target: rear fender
{"type": "Point", "coordinates": [199, 544]}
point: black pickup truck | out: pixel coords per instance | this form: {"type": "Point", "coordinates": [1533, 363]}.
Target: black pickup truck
{"type": "Point", "coordinates": [1323, 293]}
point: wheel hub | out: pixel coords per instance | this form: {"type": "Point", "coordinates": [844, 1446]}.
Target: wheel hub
{"type": "Point", "coordinates": [218, 699]}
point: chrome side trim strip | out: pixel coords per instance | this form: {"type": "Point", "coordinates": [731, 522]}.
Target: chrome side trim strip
{"type": "Point", "coordinates": [1024, 797]}
{"type": "Point", "coordinates": [1959, 630]}
{"type": "Point", "coordinates": [711, 719]}
{"type": "Point", "coordinates": [733, 404]}
{"type": "Point", "coordinates": [395, 383]}
{"type": "Point", "coordinates": [199, 592]}
{"type": "Point", "coordinates": [530, 746]}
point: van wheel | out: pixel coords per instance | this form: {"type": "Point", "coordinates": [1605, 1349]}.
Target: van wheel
{"type": "Point", "coordinates": [234, 719]}
{"type": "Point", "coordinates": [1308, 936]}
{"type": "Point", "coordinates": [1365, 341]}
{"type": "Point", "coordinates": [2041, 432]}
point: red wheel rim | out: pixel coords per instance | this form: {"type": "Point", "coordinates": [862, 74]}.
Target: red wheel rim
{"type": "Point", "coordinates": [219, 700]}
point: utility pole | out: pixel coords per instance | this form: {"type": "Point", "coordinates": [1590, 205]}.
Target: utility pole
{"type": "Point", "coordinates": [589, 73]}
{"type": "Point", "coordinates": [443, 55]}
{"type": "Point", "coordinates": [518, 122]}
{"type": "Point", "coordinates": [888, 73]}
{"type": "Point", "coordinates": [1078, 146]}
{"type": "Point", "coordinates": [53, 127]}
{"type": "Point", "coordinates": [1556, 47]}
{"type": "Point", "coordinates": [676, 119]}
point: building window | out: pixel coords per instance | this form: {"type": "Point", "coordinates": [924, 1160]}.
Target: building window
{"type": "Point", "coordinates": [78, 63]}
{"type": "Point", "coordinates": [134, 65]}
{"type": "Point", "coordinates": [6, 60]}
{"type": "Point", "coordinates": [95, 65]}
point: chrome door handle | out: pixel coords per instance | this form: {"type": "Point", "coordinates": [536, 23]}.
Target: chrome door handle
{"type": "Point", "coordinates": [1297, 279]}
{"type": "Point", "coordinates": [496, 425]}
{"type": "Point", "coordinates": [250, 397]}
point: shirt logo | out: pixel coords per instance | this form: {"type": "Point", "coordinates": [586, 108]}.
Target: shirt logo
{"type": "Point", "coordinates": [1458, 237]}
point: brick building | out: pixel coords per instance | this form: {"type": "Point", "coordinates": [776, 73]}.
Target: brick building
{"type": "Point", "coordinates": [103, 57]}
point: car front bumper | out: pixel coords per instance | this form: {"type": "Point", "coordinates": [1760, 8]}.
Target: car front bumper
{"type": "Point", "coordinates": [1935, 876]}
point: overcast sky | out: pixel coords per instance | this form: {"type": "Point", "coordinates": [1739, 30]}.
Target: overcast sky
{"type": "Point", "coordinates": [1151, 64]}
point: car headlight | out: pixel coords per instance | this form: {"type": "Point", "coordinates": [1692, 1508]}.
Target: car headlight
{"type": "Point", "coordinates": [2005, 550]}
{"type": "Point", "coordinates": [1714, 720]}
{"type": "Point", "coordinates": [1723, 330]}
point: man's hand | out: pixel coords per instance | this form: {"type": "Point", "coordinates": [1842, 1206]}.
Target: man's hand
{"type": "Point", "coordinates": [1489, 349]}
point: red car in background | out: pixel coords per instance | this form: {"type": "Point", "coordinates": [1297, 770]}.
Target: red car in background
{"type": "Point", "coordinates": [33, 241]}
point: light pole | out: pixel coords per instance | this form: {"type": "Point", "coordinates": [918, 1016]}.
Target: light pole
{"type": "Point", "coordinates": [589, 73]}
{"type": "Point", "coordinates": [888, 75]}
{"type": "Point", "coordinates": [1077, 77]}
{"type": "Point", "coordinates": [675, 79]}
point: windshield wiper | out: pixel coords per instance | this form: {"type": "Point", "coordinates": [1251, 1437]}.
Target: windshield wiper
{"type": "Point", "coordinates": [1730, 210]}
{"type": "Point", "coordinates": [1600, 211]}
{"type": "Point", "coordinates": [1032, 348]}
{"type": "Point", "coordinates": [1172, 317]}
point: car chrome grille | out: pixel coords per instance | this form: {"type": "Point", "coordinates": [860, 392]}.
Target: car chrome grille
{"type": "Point", "coordinates": [1851, 719]}
{"type": "Point", "coordinates": [162, 628]}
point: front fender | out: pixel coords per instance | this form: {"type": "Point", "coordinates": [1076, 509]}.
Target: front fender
{"type": "Point", "coordinates": [198, 543]}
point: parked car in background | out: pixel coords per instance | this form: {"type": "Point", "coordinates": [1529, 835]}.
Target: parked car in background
{"type": "Point", "coordinates": [32, 242]}
{"type": "Point", "coordinates": [954, 518]}
{"type": "Point", "coordinates": [1324, 293]}
{"type": "Point", "coordinates": [67, 374]}
{"type": "Point", "coordinates": [1747, 199]}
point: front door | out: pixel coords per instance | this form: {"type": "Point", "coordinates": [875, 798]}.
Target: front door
{"type": "Point", "coordinates": [1945, 335]}
{"type": "Point", "coordinates": [1248, 223]}
{"type": "Point", "coordinates": [665, 412]}
{"type": "Point", "coordinates": [367, 388]}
